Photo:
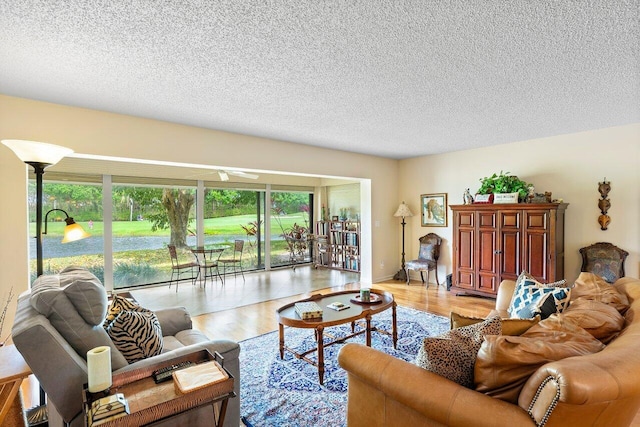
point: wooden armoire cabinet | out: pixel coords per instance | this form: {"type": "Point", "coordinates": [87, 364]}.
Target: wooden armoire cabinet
{"type": "Point", "coordinates": [493, 242]}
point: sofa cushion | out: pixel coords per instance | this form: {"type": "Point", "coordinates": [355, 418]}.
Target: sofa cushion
{"type": "Point", "coordinates": [134, 330]}
{"type": "Point", "coordinates": [453, 354]}
{"type": "Point", "coordinates": [601, 320]}
{"type": "Point", "coordinates": [593, 287]}
{"type": "Point", "coordinates": [75, 303]}
{"type": "Point", "coordinates": [504, 363]}
{"type": "Point", "coordinates": [531, 298]}
{"type": "Point", "coordinates": [509, 326]}
{"type": "Point", "coordinates": [79, 287]}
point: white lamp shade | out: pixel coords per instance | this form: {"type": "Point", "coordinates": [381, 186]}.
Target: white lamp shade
{"type": "Point", "coordinates": [37, 152]}
{"type": "Point", "coordinates": [403, 211]}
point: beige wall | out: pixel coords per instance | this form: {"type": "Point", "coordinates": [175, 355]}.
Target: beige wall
{"type": "Point", "coordinates": [99, 133]}
{"type": "Point", "coordinates": [570, 166]}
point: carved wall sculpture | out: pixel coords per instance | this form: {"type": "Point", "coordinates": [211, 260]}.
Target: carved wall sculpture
{"type": "Point", "coordinates": [604, 204]}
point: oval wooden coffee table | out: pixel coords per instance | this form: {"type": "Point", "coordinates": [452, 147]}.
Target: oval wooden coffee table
{"type": "Point", "coordinates": [287, 316]}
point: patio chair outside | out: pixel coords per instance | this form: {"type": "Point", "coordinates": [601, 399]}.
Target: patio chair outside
{"type": "Point", "coordinates": [180, 268]}
{"type": "Point", "coordinates": [234, 263]}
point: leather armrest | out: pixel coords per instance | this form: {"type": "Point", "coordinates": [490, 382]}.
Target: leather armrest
{"type": "Point", "coordinates": [173, 320]}
{"type": "Point", "coordinates": [505, 293]}
{"type": "Point", "coordinates": [423, 393]}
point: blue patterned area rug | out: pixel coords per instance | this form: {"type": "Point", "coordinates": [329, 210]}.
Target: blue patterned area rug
{"type": "Point", "coordinates": [286, 393]}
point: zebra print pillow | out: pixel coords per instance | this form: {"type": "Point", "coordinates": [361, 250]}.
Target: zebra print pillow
{"type": "Point", "coordinates": [134, 330]}
{"type": "Point", "coordinates": [137, 334]}
{"type": "Point", "coordinates": [117, 305]}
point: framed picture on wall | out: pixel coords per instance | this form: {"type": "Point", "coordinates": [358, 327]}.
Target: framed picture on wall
{"type": "Point", "coordinates": [434, 209]}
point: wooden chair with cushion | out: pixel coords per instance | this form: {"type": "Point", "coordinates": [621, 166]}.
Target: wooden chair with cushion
{"type": "Point", "coordinates": [604, 259]}
{"type": "Point", "coordinates": [427, 257]}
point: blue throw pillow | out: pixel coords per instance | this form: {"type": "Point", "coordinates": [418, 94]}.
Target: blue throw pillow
{"type": "Point", "coordinates": [532, 298]}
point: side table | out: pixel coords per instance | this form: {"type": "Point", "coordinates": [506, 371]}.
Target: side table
{"type": "Point", "coordinates": [150, 402]}
{"type": "Point", "coordinates": [13, 369]}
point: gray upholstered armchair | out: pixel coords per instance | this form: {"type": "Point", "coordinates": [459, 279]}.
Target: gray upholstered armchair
{"type": "Point", "coordinates": [427, 257]}
{"type": "Point", "coordinates": [61, 318]}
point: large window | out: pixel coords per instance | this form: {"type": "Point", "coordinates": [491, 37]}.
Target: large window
{"type": "Point", "coordinates": [148, 215]}
{"type": "Point", "coordinates": [83, 202]}
{"type": "Point", "coordinates": [145, 220]}
{"type": "Point", "coordinates": [236, 214]}
{"type": "Point", "coordinates": [290, 227]}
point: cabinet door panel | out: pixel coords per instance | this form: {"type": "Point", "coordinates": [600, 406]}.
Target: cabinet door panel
{"type": "Point", "coordinates": [466, 219]}
{"type": "Point", "coordinates": [510, 244]}
{"type": "Point", "coordinates": [511, 256]}
{"type": "Point", "coordinates": [464, 259]}
{"type": "Point", "coordinates": [537, 254]}
{"type": "Point", "coordinates": [536, 244]}
{"type": "Point", "coordinates": [465, 279]}
{"type": "Point", "coordinates": [465, 249]}
{"type": "Point", "coordinates": [537, 221]}
{"type": "Point", "coordinates": [487, 250]}
{"type": "Point", "coordinates": [487, 219]}
{"type": "Point", "coordinates": [487, 283]}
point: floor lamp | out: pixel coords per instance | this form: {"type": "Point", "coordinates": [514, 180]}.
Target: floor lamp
{"type": "Point", "coordinates": [40, 155]}
{"type": "Point", "coordinates": [403, 211]}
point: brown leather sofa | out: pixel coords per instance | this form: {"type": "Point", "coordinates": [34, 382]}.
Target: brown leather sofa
{"type": "Point", "coordinates": [599, 389]}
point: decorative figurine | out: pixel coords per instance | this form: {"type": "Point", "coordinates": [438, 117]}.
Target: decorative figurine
{"type": "Point", "coordinates": [467, 197]}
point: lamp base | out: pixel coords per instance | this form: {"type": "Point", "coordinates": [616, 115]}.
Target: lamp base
{"type": "Point", "coordinates": [401, 275]}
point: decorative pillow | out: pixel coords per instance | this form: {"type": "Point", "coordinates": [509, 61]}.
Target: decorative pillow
{"type": "Point", "coordinates": [137, 334]}
{"type": "Point", "coordinates": [134, 330]}
{"type": "Point", "coordinates": [531, 298]}
{"type": "Point", "coordinates": [509, 326]}
{"type": "Point", "coordinates": [601, 320]}
{"type": "Point", "coordinates": [453, 354]}
{"type": "Point", "coordinates": [526, 276]}
{"type": "Point", "coordinates": [505, 363]}
{"type": "Point", "coordinates": [593, 287]}
{"type": "Point", "coordinates": [117, 305]}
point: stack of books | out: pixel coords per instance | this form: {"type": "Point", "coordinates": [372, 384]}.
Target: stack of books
{"type": "Point", "coordinates": [308, 310]}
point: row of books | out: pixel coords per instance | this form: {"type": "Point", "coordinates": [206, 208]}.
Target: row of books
{"type": "Point", "coordinates": [352, 264]}
{"type": "Point", "coordinates": [349, 238]}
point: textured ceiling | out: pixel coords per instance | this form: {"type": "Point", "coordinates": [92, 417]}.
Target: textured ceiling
{"type": "Point", "coordinates": [391, 78]}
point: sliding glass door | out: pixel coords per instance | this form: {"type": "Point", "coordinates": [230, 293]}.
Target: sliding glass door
{"type": "Point", "coordinates": [147, 217]}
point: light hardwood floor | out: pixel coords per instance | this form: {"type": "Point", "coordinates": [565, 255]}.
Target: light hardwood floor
{"type": "Point", "coordinates": [248, 321]}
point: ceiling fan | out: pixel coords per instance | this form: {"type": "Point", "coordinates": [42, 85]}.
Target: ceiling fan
{"type": "Point", "coordinates": [224, 174]}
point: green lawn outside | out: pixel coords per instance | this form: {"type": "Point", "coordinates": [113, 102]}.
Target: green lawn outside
{"type": "Point", "coordinates": [212, 226]}
{"type": "Point", "coordinates": [150, 266]}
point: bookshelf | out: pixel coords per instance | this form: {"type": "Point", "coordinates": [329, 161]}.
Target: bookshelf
{"type": "Point", "coordinates": [338, 245]}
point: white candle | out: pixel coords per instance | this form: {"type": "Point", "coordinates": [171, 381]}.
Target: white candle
{"type": "Point", "coordinates": [99, 368]}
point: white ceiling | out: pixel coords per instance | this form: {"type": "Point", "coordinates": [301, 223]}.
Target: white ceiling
{"type": "Point", "coordinates": [387, 77]}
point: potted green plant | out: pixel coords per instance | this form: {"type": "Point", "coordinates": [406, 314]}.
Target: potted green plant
{"type": "Point", "coordinates": [503, 183]}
